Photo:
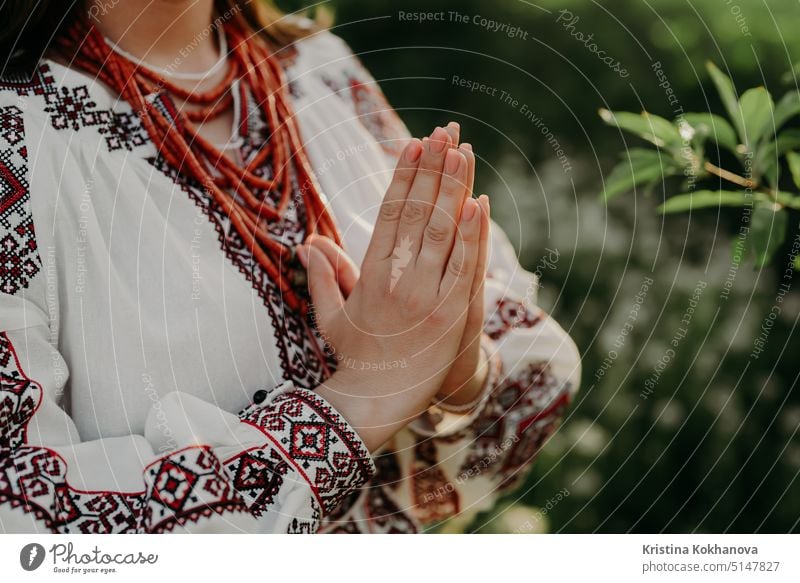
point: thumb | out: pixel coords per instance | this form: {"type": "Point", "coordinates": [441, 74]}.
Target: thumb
{"type": "Point", "coordinates": [347, 273]}
{"type": "Point", "coordinates": [322, 284]}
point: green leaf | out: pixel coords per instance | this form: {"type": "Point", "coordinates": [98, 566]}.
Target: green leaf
{"type": "Point", "coordinates": [787, 108]}
{"type": "Point", "coordinates": [652, 128]}
{"type": "Point", "coordinates": [793, 158]}
{"type": "Point", "coordinates": [714, 127]}
{"type": "Point", "coordinates": [641, 167]}
{"type": "Point", "coordinates": [767, 231]}
{"type": "Point", "coordinates": [704, 199]}
{"type": "Point", "coordinates": [756, 110]}
{"type": "Point", "coordinates": [788, 140]}
{"type": "Point", "coordinates": [727, 94]}
{"type": "Point", "coordinates": [796, 263]}
{"type": "Point", "coordinates": [766, 160]}
{"type": "Point", "coordinates": [772, 172]}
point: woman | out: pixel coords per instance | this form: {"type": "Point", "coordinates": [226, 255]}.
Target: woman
{"type": "Point", "coordinates": [162, 170]}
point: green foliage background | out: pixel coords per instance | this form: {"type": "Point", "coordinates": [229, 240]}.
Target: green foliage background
{"type": "Point", "coordinates": [715, 448]}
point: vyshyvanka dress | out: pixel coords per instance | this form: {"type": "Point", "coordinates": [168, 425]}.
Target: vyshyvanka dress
{"type": "Point", "coordinates": [153, 380]}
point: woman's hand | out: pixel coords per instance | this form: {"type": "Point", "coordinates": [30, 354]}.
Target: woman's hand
{"type": "Point", "coordinates": [467, 375]}
{"type": "Point", "coordinates": [399, 331]}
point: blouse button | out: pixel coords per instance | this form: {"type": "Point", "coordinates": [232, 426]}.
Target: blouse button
{"type": "Point", "coordinates": [260, 396]}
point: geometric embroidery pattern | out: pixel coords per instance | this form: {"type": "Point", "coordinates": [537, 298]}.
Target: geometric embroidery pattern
{"type": "Point", "coordinates": [317, 442]}
{"type": "Point", "coordinates": [72, 108]}
{"type": "Point", "coordinates": [19, 256]}
{"type": "Point", "coordinates": [521, 414]}
{"type": "Point", "coordinates": [258, 475]}
{"type": "Point", "coordinates": [183, 487]}
{"type": "Point", "coordinates": [372, 508]}
{"type": "Point", "coordinates": [19, 397]}
{"type": "Point", "coordinates": [186, 485]}
{"type": "Point", "coordinates": [303, 434]}
{"type": "Point", "coordinates": [33, 478]}
{"type": "Point", "coordinates": [509, 314]}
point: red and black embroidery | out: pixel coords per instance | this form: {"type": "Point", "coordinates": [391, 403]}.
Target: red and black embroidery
{"type": "Point", "coordinates": [321, 447]}
{"type": "Point", "coordinates": [19, 255]}
{"type": "Point", "coordinates": [517, 421]}
{"type": "Point", "coordinates": [186, 486]}
{"type": "Point", "coordinates": [73, 108]}
{"type": "Point", "coordinates": [509, 314]}
{"type": "Point", "coordinates": [435, 497]}
{"type": "Point", "coordinates": [258, 474]}
{"type": "Point", "coordinates": [183, 487]}
{"type": "Point", "coordinates": [370, 510]}
{"type": "Point", "coordinates": [33, 478]}
{"type": "Point", "coordinates": [97, 512]}
{"type": "Point", "coordinates": [19, 397]}
{"type": "Point", "coordinates": [39, 83]}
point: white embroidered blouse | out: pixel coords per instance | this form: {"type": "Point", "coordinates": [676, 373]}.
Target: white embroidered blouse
{"type": "Point", "coordinates": [141, 346]}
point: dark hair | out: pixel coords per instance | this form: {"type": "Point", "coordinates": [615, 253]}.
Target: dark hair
{"type": "Point", "coordinates": [29, 27]}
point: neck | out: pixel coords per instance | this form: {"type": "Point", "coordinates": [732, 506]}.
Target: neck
{"type": "Point", "coordinates": [166, 33]}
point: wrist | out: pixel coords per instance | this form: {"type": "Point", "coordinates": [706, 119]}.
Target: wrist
{"type": "Point", "coordinates": [372, 405]}
{"type": "Point", "coordinates": [470, 391]}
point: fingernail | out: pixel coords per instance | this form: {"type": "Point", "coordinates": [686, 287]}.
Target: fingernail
{"type": "Point", "coordinates": [452, 161]}
{"type": "Point", "coordinates": [413, 151]}
{"type": "Point", "coordinates": [467, 146]}
{"type": "Point", "coordinates": [468, 213]}
{"type": "Point", "coordinates": [438, 140]}
{"type": "Point", "coordinates": [484, 200]}
{"type": "Point", "coordinates": [454, 124]}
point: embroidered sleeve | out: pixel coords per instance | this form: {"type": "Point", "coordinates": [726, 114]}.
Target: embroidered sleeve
{"type": "Point", "coordinates": [453, 466]}
{"type": "Point", "coordinates": [277, 467]}
{"type": "Point", "coordinates": [460, 465]}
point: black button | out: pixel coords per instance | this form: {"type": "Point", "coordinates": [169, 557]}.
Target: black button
{"type": "Point", "coordinates": [260, 396]}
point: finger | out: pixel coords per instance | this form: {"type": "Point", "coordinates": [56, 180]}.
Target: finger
{"type": "Point", "coordinates": [384, 235]}
{"type": "Point", "coordinates": [460, 271]}
{"type": "Point", "coordinates": [483, 248]}
{"type": "Point", "coordinates": [453, 129]}
{"type": "Point", "coordinates": [422, 196]}
{"type": "Point", "coordinates": [322, 285]}
{"type": "Point", "coordinates": [466, 149]}
{"type": "Point", "coordinates": [437, 240]}
{"type": "Point", "coordinates": [345, 269]}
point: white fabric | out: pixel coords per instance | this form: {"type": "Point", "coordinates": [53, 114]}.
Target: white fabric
{"type": "Point", "coordinates": [141, 338]}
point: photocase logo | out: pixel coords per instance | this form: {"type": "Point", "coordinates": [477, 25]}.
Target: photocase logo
{"type": "Point", "coordinates": [31, 556]}
{"type": "Point", "coordinates": [400, 258]}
